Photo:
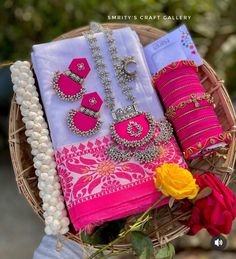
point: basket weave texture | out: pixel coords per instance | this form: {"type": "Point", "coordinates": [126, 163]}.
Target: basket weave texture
{"type": "Point", "coordinates": [221, 162]}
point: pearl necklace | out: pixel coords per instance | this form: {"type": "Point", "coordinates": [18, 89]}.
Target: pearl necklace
{"type": "Point", "coordinates": [55, 215]}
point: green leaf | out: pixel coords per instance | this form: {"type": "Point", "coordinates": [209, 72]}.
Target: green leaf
{"type": "Point", "coordinates": [203, 193]}
{"type": "Point", "coordinates": [171, 202]}
{"type": "Point", "coordinates": [104, 233]}
{"type": "Point", "coordinates": [93, 239]}
{"type": "Point", "coordinates": [166, 252]}
{"type": "Point", "coordinates": [142, 245]}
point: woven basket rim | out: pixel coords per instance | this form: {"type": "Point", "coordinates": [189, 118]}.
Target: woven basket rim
{"type": "Point", "coordinates": [15, 130]}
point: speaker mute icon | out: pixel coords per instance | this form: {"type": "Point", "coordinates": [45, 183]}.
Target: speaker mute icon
{"type": "Point", "coordinates": [218, 242]}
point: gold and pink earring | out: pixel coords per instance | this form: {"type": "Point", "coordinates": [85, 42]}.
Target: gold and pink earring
{"type": "Point", "coordinates": [69, 84]}
{"type": "Point", "coordinates": [69, 87]}
{"type": "Point", "coordinates": [85, 121]}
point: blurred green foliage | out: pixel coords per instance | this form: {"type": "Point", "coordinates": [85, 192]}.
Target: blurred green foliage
{"type": "Point", "coordinates": [212, 24]}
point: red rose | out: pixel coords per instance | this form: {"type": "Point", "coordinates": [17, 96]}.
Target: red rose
{"type": "Point", "coordinates": [215, 212]}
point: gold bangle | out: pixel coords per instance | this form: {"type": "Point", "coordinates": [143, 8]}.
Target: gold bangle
{"type": "Point", "coordinates": [176, 89]}
{"type": "Point", "coordinates": [171, 111]}
{"type": "Point", "coordinates": [201, 131]}
{"type": "Point", "coordinates": [191, 123]}
{"type": "Point", "coordinates": [184, 97]}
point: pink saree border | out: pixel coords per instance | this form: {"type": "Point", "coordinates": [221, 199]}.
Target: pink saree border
{"type": "Point", "coordinates": [142, 200]}
{"type": "Point", "coordinates": [97, 189]}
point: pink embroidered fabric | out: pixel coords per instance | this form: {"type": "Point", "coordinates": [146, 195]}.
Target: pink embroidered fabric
{"type": "Point", "coordinates": [189, 109]}
{"type": "Point", "coordinates": [97, 189]}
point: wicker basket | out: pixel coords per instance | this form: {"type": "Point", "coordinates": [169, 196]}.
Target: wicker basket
{"type": "Point", "coordinates": [221, 162]}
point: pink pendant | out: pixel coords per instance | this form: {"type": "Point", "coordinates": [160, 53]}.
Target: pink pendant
{"type": "Point", "coordinates": [132, 128]}
{"type": "Point", "coordinates": [69, 84]}
{"type": "Point", "coordinates": [85, 121]}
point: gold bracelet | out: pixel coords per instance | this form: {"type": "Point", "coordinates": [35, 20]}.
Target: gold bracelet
{"type": "Point", "coordinates": [184, 97]}
{"type": "Point", "coordinates": [171, 111]}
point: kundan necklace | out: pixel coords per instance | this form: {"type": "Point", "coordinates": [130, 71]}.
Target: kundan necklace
{"type": "Point", "coordinates": [134, 132]}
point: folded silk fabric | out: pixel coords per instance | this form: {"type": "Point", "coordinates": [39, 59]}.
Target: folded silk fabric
{"type": "Point", "coordinates": [97, 189]}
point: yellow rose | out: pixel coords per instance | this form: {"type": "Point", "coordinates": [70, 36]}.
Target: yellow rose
{"type": "Point", "coordinates": [176, 182]}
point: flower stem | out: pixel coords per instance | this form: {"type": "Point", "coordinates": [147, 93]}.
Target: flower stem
{"type": "Point", "coordinates": [140, 221]}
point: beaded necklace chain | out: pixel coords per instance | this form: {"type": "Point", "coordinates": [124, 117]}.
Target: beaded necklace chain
{"type": "Point", "coordinates": [131, 128]}
{"type": "Point", "coordinates": [121, 67]}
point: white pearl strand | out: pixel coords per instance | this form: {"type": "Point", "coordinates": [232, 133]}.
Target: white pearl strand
{"type": "Point", "coordinates": [55, 215]}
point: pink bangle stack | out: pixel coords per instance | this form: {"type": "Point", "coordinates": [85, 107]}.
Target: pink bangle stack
{"type": "Point", "coordinates": [190, 109]}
